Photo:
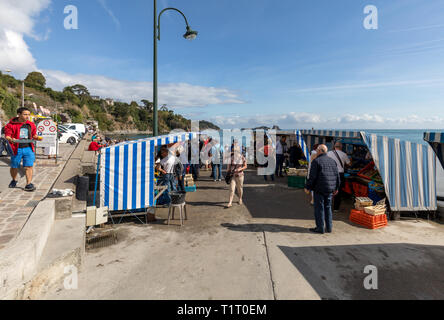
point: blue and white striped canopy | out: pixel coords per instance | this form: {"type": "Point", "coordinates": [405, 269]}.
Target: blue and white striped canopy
{"type": "Point", "coordinates": [127, 172]}
{"type": "Point", "coordinates": [407, 169]}
{"type": "Point", "coordinates": [436, 140]}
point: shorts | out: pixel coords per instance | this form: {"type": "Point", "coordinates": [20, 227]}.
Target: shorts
{"type": "Point", "coordinates": [26, 154]}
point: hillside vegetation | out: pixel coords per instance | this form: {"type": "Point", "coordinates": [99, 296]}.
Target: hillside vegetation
{"type": "Point", "coordinates": [75, 104]}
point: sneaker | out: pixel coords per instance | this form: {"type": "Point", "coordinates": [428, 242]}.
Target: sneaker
{"type": "Point", "coordinates": [13, 184]}
{"type": "Point", "coordinates": [30, 187]}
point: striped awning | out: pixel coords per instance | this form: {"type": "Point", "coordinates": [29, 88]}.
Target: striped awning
{"type": "Point", "coordinates": [127, 172]}
{"type": "Point", "coordinates": [407, 169]}
{"type": "Point", "coordinates": [436, 140]}
{"type": "Point", "coordinates": [300, 140]}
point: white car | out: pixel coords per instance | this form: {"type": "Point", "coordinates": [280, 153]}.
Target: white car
{"type": "Point", "coordinates": [68, 136]}
{"type": "Point", "coordinates": [77, 127]}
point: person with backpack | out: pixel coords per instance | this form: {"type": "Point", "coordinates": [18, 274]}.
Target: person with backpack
{"type": "Point", "coordinates": [342, 160]}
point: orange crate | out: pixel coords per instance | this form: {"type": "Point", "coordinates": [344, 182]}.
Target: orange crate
{"type": "Point", "coordinates": [360, 190]}
{"type": "Point", "coordinates": [348, 187]}
{"type": "Point", "coordinates": [368, 221]}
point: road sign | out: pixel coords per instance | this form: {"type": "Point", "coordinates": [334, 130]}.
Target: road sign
{"type": "Point", "coordinates": [47, 129]}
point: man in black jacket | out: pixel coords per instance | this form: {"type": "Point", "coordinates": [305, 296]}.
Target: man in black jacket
{"type": "Point", "coordinates": [324, 181]}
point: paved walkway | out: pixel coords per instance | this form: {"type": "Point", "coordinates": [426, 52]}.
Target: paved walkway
{"type": "Point", "coordinates": [261, 250]}
{"type": "Point", "coordinates": [16, 205]}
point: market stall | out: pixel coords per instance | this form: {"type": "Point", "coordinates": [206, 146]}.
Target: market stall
{"type": "Point", "coordinates": [436, 141]}
{"type": "Point", "coordinates": [401, 171]}
{"type": "Point", "coordinates": [127, 172]}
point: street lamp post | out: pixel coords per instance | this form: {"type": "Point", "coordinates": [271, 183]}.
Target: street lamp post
{"type": "Point", "coordinates": [189, 35]}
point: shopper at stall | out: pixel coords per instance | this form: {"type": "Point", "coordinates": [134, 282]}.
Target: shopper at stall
{"type": "Point", "coordinates": [342, 160]}
{"type": "Point", "coordinates": [313, 156]}
{"type": "Point", "coordinates": [216, 160]}
{"type": "Point", "coordinates": [266, 151]}
{"type": "Point", "coordinates": [235, 169]}
{"type": "Point", "coordinates": [280, 151]}
{"type": "Point", "coordinates": [296, 154]}
{"type": "Point", "coordinates": [324, 181]}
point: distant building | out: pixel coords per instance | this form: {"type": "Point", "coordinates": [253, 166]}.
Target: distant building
{"type": "Point", "coordinates": [109, 101]}
{"type": "Point", "coordinates": [95, 98]}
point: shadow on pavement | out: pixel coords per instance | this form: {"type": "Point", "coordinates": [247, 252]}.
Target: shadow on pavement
{"type": "Point", "coordinates": [404, 271]}
{"type": "Point", "coordinates": [260, 227]}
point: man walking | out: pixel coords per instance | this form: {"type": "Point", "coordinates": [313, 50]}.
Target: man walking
{"type": "Point", "coordinates": [324, 181]}
{"type": "Point", "coordinates": [280, 151]}
{"type": "Point", "coordinates": [216, 161]}
{"type": "Point", "coordinates": [20, 128]}
{"type": "Point", "coordinates": [341, 160]}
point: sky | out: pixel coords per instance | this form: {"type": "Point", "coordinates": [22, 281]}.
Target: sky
{"type": "Point", "coordinates": [293, 63]}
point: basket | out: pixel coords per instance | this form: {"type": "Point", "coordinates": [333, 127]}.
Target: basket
{"type": "Point", "coordinates": [177, 197]}
{"type": "Point", "coordinates": [375, 210]}
{"type": "Point", "coordinates": [368, 221]}
{"type": "Point", "coordinates": [363, 202]}
{"type": "Point", "coordinates": [296, 182]}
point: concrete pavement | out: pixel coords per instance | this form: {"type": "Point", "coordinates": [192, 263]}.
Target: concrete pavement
{"type": "Point", "coordinates": [261, 250]}
{"type": "Point", "coordinates": [16, 204]}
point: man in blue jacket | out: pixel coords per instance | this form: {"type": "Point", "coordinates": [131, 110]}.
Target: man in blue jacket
{"type": "Point", "coordinates": [324, 181]}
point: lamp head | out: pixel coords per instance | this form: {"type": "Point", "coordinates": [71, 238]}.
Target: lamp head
{"type": "Point", "coordinates": [190, 34]}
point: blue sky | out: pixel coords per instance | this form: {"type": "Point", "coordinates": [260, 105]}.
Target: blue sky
{"type": "Point", "coordinates": [298, 64]}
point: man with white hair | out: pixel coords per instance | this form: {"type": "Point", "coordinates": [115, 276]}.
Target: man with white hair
{"type": "Point", "coordinates": [324, 181]}
{"type": "Point", "coordinates": [342, 160]}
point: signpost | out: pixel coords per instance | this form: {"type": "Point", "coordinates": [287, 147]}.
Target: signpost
{"type": "Point", "coordinates": [48, 130]}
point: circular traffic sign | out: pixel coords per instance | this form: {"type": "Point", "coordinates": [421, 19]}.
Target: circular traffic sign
{"type": "Point", "coordinates": [46, 123]}
{"type": "Point", "coordinates": [52, 129]}
{"type": "Point", "coordinates": [41, 129]}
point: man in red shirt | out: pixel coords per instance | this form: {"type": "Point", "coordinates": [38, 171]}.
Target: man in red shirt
{"type": "Point", "coordinates": [20, 128]}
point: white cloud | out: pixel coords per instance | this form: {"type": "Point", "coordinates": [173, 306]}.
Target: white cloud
{"type": "Point", "coordinates": [302, 120]}
{"type": "Point", "coordinates": [179, 95]}
{"type": "Point", "coordinates": [17, 19]}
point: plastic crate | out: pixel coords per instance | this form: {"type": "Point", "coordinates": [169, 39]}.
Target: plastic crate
{"type": "Point", "coordinates": [296, 182]}
{"type": "Point", "coordinates": [191, 189]}
{"type": "Point", "coordinates": [360, 190]}
{"type": "Point", "coordinates": [368, 221]}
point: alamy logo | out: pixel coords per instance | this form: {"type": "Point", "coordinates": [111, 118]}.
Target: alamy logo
{"type": "Point", "coordinates": [371, 281]}
{"type": "Point", "coordinates": [371, 20]}
{"type": "Point", "coordinates": [71, 21]}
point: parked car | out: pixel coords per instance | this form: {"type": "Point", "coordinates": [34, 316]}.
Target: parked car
{"type": "Point", "coordinates": [71, 131]}
{"type": "Point", "coordinates": [77, 127]}
{"type": "Point", "coordinates": [67, 136]}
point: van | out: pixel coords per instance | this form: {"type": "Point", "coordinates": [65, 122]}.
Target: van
{"type": "Point", "coordinates": [77, 127]}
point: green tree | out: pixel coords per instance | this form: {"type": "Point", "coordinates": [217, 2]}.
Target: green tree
{"type": "Point", "coordinates": [35, 80]}
{"type": "Point", "coordinates": [80, 90]}
{"type": "Point", "coordinates": [147, 105]}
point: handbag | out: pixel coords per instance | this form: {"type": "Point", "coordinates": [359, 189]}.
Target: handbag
{"type": "Point", "coordinates": [229, 177]}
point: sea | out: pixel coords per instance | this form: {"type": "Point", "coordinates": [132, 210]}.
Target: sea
{"type": "Point", "coordinates": [412, 135]}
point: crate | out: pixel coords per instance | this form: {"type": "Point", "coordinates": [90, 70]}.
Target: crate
{"type": "Point", "coordinates": [348, 187]}
{"type": "Point", "coordinates": [368, 221]}
{"type": "Point", "coordinates": [296, 182]}
{"type": "Point", "coordinates": [360, 190]}
{"type": "Point", "coordinates": [191, 189]}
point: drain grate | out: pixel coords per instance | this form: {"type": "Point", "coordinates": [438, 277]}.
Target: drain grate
{"type": "Point", "coordinates": [101, 239]}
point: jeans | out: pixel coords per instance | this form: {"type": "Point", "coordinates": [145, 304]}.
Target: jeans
{"type": "Point", "coordinates": [194, 170]}
{"type": "Point", "coordinates": [169, 181]}
{"type": "Point", "coordinates": [340, 195]}
{"type": "Point", "coordinates": [279, 164]}
{"type": "Point", "coordinates": [322, 207]}
{"type": "Point", "coordinates": [216, 167]}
